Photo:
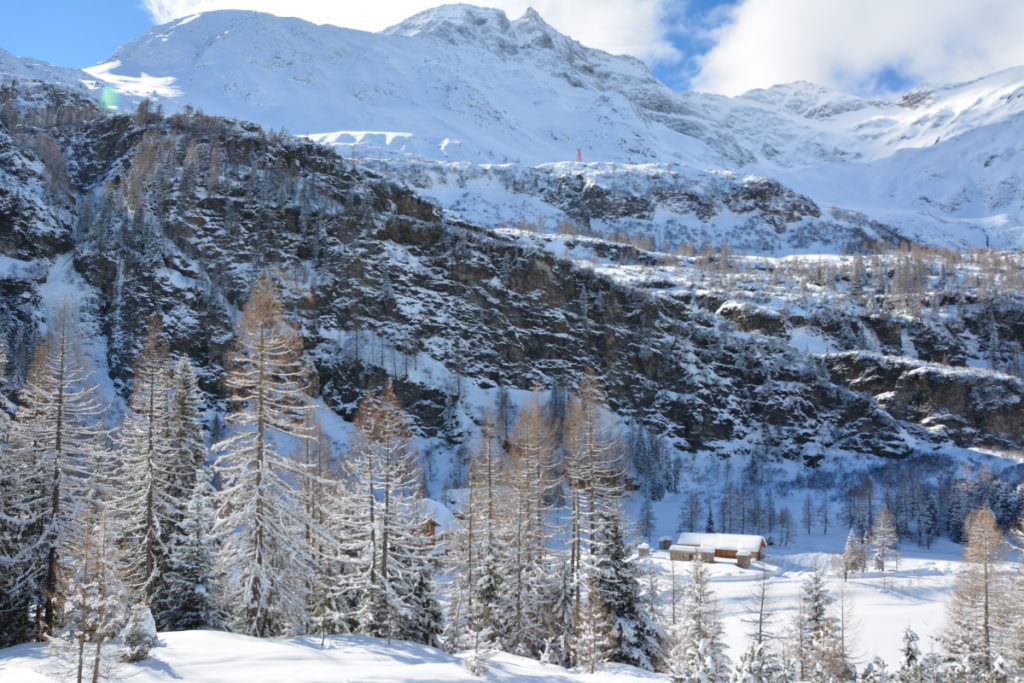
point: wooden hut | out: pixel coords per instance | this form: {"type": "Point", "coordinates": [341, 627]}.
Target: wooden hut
{"type": "Point", "coordinates": [720, 545]}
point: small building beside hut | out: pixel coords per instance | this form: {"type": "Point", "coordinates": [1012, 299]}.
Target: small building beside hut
{"type": "Point", "coordinates": [710, 546]}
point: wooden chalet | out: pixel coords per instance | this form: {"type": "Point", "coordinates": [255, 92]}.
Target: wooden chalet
{"type": "Point", "coordinates": [741, 547]}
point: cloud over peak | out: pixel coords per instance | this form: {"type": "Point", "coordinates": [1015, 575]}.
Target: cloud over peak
{"type": "Point", "coordinates": [635, 27]}
{"type": "Point", "coordinates": [862, 46]}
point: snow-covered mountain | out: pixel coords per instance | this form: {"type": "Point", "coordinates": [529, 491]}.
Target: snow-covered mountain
{"type": "Point", "coordinates": [467, 85]}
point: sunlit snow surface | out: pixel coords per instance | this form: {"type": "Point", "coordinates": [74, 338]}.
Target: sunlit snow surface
{"type": "Point", "coordinates": [467, 86]}
{"type": "Point", "coordinates": [878, 610]}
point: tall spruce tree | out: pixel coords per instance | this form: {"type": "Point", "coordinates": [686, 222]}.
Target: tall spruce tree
{"type": "Point", "coordinates": [634, 636]}
{"type": "Point", "coordinates": [698, 653]}
{"type": "Point", "coordinates": [264, 558]}
{"type": "Point", "coordinates": [147, 502]}
{"type": "Point", "coordinates": [193, 585]}
{"type": "Point", "coordinates": [817, 643]}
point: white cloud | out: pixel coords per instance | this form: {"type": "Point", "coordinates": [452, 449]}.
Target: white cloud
{"type": "Point", "coordinates": [847, 44]}
{"type": "Point", "coordinates": [635, 27]}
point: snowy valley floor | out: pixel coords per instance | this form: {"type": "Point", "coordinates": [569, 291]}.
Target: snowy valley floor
{"type": "Point", "coordinates": [879, 610]}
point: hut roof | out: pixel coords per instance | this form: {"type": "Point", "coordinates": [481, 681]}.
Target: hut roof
{"type": "Point", "coordinates": [741, 543]}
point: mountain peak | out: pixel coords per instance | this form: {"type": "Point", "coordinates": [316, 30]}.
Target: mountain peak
{"type": "Point", "coordinates": [460, 24]}
{"type": "Point", "coordinates": [446, 20]}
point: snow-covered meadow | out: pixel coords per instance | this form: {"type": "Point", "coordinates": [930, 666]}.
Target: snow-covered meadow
{"type": "Point", "coordinates": [878, 610]}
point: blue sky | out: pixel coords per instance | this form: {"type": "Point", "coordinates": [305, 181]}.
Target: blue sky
{"type": "Point", "coordinates": [78, 33]}
{"type": "Point", "coordinates": [866, 47]}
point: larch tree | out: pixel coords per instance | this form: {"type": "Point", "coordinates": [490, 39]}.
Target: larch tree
{"type": "Point", "coordinates": [95, 603]}
{"type": "Point", "coordinates": [58, 446]}
{"type": "Point", "coordinates": [384, 524]}
{"type": "Point", "coordinates": [264, 557]}
{"type": "Point", "coordinates": [594, 482]}
{"type": "Point", "coordinates": [976, 614]}
{"type": "Point", "coordinates": [884, 538]}
{"type": "Point", "coordinates": [528, 477]}
{"type": "Point", "coordinates": [476, 619]}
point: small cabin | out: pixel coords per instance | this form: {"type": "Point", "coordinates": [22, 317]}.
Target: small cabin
{"type": "Point", "coordinates": [689, 553]}
{"type": "Point", "coordinates": [719, 545]}
{"type": "Point", "coordinates": [664, 542]}
{"type": "Point", "coordinates": [643, 550]}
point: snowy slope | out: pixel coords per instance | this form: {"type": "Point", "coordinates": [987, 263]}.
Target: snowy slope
{"type": "Point", "coordinates": [468, 85]}
{"type": "Point", "coordinates": [880, 607]}
{"type": "Point", "coordinates": [216, 657]}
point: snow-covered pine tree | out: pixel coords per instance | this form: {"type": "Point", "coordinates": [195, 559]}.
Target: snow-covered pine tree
{"type": "Point", "coordinates": [528, 476]}
{"type": "Point", "coordinates": [698, 652]}
{"type": "Point", "coordinates": [263, 557]}
{"type": "Point", "coordinates": [853, 554]}
{"type": "Point", "coordinates": [95, 600]}
{"type": "Point", "coordinates": [192, 513]}
{"type": "Point", "coordinates": [884, 539]}
{"type": "Point", "coordinates": [594, 479]}
{"type": "Point", "coordinates": [384, 522]}
{"type": "Point", "coordinates": [16, 533]}
{"type": "Point", "coordinates": [816, 643]}
{"type": "Point", "coordinates": [5, 407]}
{"type": "Point", "coordinates": [193, 588]}
{"type": "Point", "coordinates": [186, 434]}
{"type": "Point", "coordinates": [634, 636]}
{"type": "Point", "coordinates": [976, 613]}
{"type": "Point", "coordinates": [911, 666]}
{"type": "Point", "coordinates": [146, 502]}
{"type": "Point", "coordinates": [57, 445]}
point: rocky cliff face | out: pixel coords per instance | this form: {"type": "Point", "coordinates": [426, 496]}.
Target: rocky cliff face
{"type": "Point", "coordinates": [136, 216]}
{"type": "Point", "coordinates": [664, 205]}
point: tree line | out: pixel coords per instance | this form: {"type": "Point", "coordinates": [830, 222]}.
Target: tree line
{"type": "Point", "coordinates": [104, 528]}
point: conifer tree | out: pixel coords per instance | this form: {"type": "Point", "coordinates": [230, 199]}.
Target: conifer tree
{"type": "Point", "coordinates": [185, 433]}
{"type": "Point", "coordinates": [593, 476]}
{"type": "Point", "coordinates": [57, 447]}
{"type": "Point", "coordinates": [146, 501]}
{"type": "Point", "coordinates": [884, 538]}
{"type": "Point", "coordinates": [474, 600]}
{"type": "Point", "coordinates": [912, 666]}
{"type": "Point", "coordinates": [817, 643]}
{"type": "Point", "coordinates": [17, 581]}
{"type": "Point", "coordinates": [193, 588]}
{"type": "Point", "coordinates": [523, 528]}
{"type": "Point", "coordinates": [699, 651]}
{"type": "Point", "coordinates": [853, 554]}
{"type": "Point", "coordinates": [263, 557]}
{"type": "Point", "coordinates": [976, 612]}
{"type": "Point", "coordinates": [94, 607]}
{"type": "Point", "coordinates": [383, 525]}
{"type": "Point", "coordinates": [760, 662]}
{"type": "Point", "coordinates": [634, 637]}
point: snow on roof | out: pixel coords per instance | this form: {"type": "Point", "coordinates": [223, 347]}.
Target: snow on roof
{"type": "Point", "coordinates": [738, 542]}
{"type": "Point", "coordinates": [438, 512]}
